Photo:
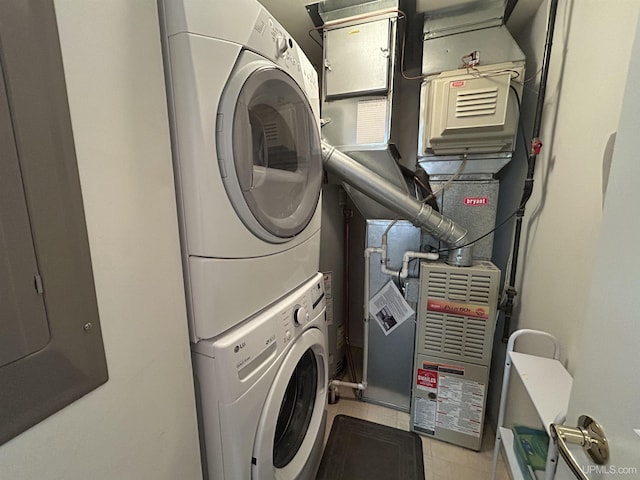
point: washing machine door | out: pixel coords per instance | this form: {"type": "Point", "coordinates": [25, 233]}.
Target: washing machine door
{"type": "Point", "coordinates": [269, 152]}
{"type": "Point", "coordinates": [291, 423]}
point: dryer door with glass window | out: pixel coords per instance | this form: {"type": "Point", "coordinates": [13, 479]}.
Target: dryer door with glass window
{"type": "Point", "coordinates": [268, 150]}
{"type": "Point", "coordinates": [292, 417]}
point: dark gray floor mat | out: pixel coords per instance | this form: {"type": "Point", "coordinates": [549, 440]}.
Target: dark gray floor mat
{"type": "Point", "coordinates": [361, 450]}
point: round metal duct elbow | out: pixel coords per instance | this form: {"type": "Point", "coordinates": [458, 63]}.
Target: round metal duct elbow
{"type": "Point", "coordinates": [418, 213]}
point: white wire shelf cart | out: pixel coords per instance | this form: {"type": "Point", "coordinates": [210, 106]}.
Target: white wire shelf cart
{"type": "Point", "coordinates": [548, 385]}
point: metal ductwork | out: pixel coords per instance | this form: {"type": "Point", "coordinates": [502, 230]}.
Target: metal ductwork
{"type": "Point", "coordinates": [397, 200]}
{"type": "Point", "coordinates": [361, 91]}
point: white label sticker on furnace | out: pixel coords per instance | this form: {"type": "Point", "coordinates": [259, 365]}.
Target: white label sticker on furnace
{"type": "Point", "coordinates": [424, 415]}
{"type": "Point", "coordinates": [460, 405]}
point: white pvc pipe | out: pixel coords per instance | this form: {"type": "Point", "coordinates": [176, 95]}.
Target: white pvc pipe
{"type": "Point", "coordinates": [340, 383]}
{"type": "Point", "coordinates": [365, 344]}
{"type": "Point", "coordinates": [404, 273]}
{"type": "Point", "coordinates": [406, 258]}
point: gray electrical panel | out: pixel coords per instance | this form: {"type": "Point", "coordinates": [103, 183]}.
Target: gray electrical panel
{"type": "Point", "coordinates": [23, 325]}
{"type": "Point", "coordinates": [51, 350]}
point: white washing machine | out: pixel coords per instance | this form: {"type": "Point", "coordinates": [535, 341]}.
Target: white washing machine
{"type": "Point", "coordinates": [261, 389]}
{"type": "Point", "coordinates": [244, 110]}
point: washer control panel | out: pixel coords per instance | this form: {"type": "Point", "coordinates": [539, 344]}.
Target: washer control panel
{"type": "Point", "coordinates": [304, 309]}
{"type": "Point", "coordinates": [300, 315]}
{"type": "Point", "coordinates": [247, 348]}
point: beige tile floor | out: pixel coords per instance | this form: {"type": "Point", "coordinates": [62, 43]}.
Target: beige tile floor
{"type": "Point", "coordinates": [442, 461]}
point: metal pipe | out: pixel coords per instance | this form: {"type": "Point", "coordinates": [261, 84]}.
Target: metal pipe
{"type": "Point", "coordinates": [347, 213]}
{"type": "Point", "coordinates": [392, 197]}
{"type": "Point", "coordinates": [531, 166]}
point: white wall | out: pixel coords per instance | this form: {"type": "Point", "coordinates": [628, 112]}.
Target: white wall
{"type": "Point", "coordinates": [562, 222]}
{"type": "Point", "coordinates": [141, 424]}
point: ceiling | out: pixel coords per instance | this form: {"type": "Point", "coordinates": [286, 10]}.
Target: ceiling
{"type": "Point", "coordinates": [522, 15]}
{"type": "Point", "coordinates": [293, 16]}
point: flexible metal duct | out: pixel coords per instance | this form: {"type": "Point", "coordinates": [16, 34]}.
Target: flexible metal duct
{"type": "Point", "coordinates": [394, 198]}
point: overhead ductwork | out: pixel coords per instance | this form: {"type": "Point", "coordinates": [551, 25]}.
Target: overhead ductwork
{"type": "Point", "coordinates": [398, 201]}
{"type": "Point", "coordinates": [360, 91]}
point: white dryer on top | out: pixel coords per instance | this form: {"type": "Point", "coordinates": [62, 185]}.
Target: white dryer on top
{"type": "Point", "coordinates": [244, 108]}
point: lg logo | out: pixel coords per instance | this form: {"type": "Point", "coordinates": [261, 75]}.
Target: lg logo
{"type": "Point", "coordinates": [239, 347]}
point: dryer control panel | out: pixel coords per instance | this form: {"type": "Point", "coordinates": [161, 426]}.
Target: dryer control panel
{"type": "Point", "coordinates": [271, 40]}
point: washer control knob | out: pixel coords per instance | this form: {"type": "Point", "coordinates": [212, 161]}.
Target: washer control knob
{"type": "Point", "coordinates": [300, 316]}
{"type": "Point", "coordinates": [287, 335]}
{"type": "Point", "coordinates": [281, 45]}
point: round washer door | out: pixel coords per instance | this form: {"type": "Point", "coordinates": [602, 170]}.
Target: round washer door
{"type": "Point", "coordinates": [268, 150]}
{"type": "Point", "coordinates": [292, 415]}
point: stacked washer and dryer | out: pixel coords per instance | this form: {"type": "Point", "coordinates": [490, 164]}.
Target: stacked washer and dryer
{"type": "Point", "coordinates": [244, 111]}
